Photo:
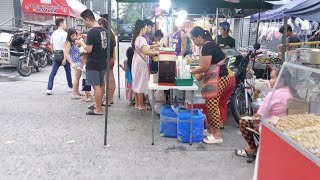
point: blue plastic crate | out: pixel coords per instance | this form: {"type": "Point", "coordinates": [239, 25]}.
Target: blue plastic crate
{"type": "Point", "coordinates": [183, 126]}
{"type": "Point", "coordinates": [168, 121]}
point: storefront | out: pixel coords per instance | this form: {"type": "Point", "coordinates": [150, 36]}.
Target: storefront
{"type": "Point", "coordinates": [10, 10]}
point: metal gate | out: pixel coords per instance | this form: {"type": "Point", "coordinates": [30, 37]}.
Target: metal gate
{"type": "Point", "coordinates": [6, 11]}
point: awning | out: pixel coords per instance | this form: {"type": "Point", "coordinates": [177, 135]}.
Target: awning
{"type": "Point", "coordinates": [280, 12]}
{"type": "Point", "coordinates": [309, 10]}
{"type": "Point", "coordinates": [49, 7]}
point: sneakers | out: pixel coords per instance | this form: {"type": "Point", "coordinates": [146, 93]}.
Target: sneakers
{"type": "Point", "coordinates": [49, 92]}
{"type": "Point", "coordinates": [70, 89]}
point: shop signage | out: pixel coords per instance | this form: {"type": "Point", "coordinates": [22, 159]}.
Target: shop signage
{"type": "Point", "coordinates": [45, 9]}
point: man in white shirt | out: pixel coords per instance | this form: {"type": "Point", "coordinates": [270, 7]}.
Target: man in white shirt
{"type": "Point", "coordinates": [58, 39]}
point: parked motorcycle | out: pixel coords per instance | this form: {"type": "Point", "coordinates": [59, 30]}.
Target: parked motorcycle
{"type": "Point", "coordinates": [42, 53]}
{"type": "Point", "coordinates": [29, 60]}
{"type": "Point", "coordinates": [240, 103]}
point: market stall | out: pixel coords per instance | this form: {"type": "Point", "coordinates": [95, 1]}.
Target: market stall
{"type": "Point", "coordinates": [289, 145]}
{"type": "Point", "coordinates": [201, 8]}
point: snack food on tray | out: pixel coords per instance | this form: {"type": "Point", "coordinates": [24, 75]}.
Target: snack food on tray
{"type": "Point", "coordinates": [294, 122]}
{"type": "Point", "coordinates": [304, 129]}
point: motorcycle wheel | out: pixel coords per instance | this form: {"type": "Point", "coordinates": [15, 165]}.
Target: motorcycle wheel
{"type": "Point", "coordinates": [38, 68]}
{"type": "Point", "coordinates": [23, 68]}
{"type": "Point", "coordinates": [238, 105]}
{"type": "Point", "coordinates": [44, 61]}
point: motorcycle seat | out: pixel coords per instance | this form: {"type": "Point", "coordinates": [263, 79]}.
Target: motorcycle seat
{"type": "Point", "coordinates": [16, 51]}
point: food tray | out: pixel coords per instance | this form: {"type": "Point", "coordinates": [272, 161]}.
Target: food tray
{"type": "Point", "coordinates": [303, 129]}
{"type": "Point", "coordinates": [184, 82]}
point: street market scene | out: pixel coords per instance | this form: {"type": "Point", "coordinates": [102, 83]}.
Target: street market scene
{"type": "Point", "coordinates": [160, 89]}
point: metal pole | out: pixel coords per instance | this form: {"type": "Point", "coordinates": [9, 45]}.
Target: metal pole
{"type": "Point", "coordinates": [217, 25]}
{"type": "Point", "coordinates": [142, 12]}
{"type": "Point", "coordinates": [284, 38]}
{"type": "Point", "coordinates": [257, 35]}
{"type": "Point", "coordinates": [258, 21]}
{"type": "Point", "coordinates": [118, 49]}
{"type": "Point", "coordinates": [249, 34]}
{"type": "Point", "coordinates": [108, 71]}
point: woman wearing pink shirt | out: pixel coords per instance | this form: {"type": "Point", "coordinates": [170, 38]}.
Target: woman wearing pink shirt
{"type": "Point", "coordinates": [277, 107]}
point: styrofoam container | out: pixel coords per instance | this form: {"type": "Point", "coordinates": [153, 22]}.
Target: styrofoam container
{"type": "Point", "coordinates": [167, 56]}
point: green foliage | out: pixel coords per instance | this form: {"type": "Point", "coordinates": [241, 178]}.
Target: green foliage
{"type": "Point", "coordinates": [131, 12]}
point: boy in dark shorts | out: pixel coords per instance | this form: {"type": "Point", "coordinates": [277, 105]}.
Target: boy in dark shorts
{"type": "Point", "coordinates": [86, 88]}
{"type": "Point", "coordinates": [96, 47]}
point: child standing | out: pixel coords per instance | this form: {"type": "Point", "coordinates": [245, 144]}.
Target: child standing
{"type": "Point", "coordinates": [85, 87]}
{"type": "Point", "coordinates": [127, 68]}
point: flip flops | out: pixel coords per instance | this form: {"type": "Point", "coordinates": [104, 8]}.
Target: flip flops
{"type": "Point", "coordinates": [93, 113]}
{"type": "Point", "coordinates": [211, 140]}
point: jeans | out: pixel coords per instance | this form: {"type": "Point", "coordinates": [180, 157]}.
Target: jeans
{"type": "Point", "coordinates": [55, 68]}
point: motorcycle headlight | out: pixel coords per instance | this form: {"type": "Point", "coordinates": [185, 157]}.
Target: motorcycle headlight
{"type": "Point", "coordinates": [235, 70]}
{"type": "Point", "coordinates": [24, 46]}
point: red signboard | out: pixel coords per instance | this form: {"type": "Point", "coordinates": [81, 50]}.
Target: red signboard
{"type": "Point", "coordinates": [52, 7]}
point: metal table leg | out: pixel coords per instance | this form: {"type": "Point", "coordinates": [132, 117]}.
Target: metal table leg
{"type": "Point", "coordinates": [152, 106]}
{"type": "Point", "coordinates": [191, 117]}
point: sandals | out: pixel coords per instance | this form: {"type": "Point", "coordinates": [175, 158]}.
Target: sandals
{"type": "Point", "coordinates": [212, 140]}
{"type": "Point", "coordinates": [104, 103]}
{"type": "Point", "coordinates": [242, 153]}
{"type": "Point", "coordinates": [75, 97]}
{"type": "Point", "coordinates": [93, 113]}
{"type": "Point", "coordinates": [92, 107]}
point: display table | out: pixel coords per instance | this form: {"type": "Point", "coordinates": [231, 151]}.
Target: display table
{"type": "Point", "coordinates": [155, 87]}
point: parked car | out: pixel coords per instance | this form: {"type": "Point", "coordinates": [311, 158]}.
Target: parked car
{"type": "Point", "coordinates": [125, 32]}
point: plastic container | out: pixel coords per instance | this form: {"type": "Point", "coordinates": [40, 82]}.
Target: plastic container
{"type": "Point", "coordinates": [184, 82]}
{"type": "Point", "coordinates": [200, 104]}
{"type": "Point", "coordinates": [167, 56]}
{"type": "Point", "coordinates": [183, 126]}
{"type": "Point", "coordinates": [168, 121]}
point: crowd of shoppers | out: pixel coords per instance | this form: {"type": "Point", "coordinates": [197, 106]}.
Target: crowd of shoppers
{"type": "Point", "coordinates": [87, 55]}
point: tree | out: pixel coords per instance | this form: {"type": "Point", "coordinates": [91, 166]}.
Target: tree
{"type": "Point", "coordinates": [131, 12]}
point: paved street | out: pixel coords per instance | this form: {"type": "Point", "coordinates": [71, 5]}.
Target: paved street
{"type": "Point", "coordinates": [50, 137]}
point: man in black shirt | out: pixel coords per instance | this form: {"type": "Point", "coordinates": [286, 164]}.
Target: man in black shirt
{"type": "Point", "coordinates": [291, 36]}
{"type": "Point", "coordinates": [224, 40]}
{"type": "Point", "coordinates": [96, 47]}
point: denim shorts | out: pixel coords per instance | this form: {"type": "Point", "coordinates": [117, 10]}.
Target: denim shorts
{"type": "Point", "coordinates": [95, 78]}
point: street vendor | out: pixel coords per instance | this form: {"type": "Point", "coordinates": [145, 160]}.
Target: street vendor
{"type": "Point", "coordinates": [179, 41]}
{"type": "Point", "coordinates": [213, 61]}
{"type": "Point", "coordinates": [291, 36]}
{"type": "Point", "coordinates": [225, 40]}
{"type": "Point", "coordinates": [274, 104]}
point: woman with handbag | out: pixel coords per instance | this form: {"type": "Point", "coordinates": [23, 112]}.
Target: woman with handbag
{"type": "Point", "coordinates": [215, 79]}
{"type": "Point", "coordinates": [140, 66]}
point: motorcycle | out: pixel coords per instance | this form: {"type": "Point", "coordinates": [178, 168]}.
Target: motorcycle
{"type": "Point", "coordinates": [240, 102]}
{"type": "Point", "coordinates": [28, 61]}
{"type": "Point", "coordinates": [42, 53]}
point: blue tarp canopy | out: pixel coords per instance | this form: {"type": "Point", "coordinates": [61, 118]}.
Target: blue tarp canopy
{"type": "Point", "coordinates": [309, 9]}
{"type": "Point", "coordinates": [281, 12]}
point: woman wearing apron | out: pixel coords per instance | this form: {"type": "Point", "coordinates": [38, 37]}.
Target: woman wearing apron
{"type": "Point", "coordinates": [215, 78]}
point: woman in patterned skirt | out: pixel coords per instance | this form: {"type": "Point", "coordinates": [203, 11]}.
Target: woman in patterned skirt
{"type": "Point", "coordinates": [140, 66]}
{"type": "Point", "coordinates": [211, 55]}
